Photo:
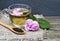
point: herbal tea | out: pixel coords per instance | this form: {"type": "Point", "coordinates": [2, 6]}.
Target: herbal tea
{"type": "Point", "coordinates": [18, 19]}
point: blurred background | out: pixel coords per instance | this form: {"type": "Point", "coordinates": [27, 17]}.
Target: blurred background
{"type": "Point", "coordinates": [45, 7]}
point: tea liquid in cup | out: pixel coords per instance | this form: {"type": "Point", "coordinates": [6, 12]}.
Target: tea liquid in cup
{"type": "Point", "coordinates": [18, 20]}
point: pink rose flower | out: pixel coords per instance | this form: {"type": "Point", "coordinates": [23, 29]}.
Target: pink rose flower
{"type": "Point", "coordinates": [16, 12]}
{"type": "Point", "coordinates": [31, 25]}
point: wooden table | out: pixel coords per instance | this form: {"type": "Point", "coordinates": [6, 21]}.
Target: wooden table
{"type": "Point", "coordinates": [54, 33]}
{"type": "Point", "coordinates": [7, 35]}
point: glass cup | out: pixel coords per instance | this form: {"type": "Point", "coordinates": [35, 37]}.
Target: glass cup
{"type": "Point", "coordinates": [19, 20]}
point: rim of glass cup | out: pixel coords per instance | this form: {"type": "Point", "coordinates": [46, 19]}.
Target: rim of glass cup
{"type": "Point", "coordinates": [23, 5]}
{"type": "Point", "coordinates": [20, 4]}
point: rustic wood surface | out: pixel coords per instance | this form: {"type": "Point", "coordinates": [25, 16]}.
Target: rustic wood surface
{"type": "Point", "coordinates": [7, 35]}
{"type": "Point", "coordinates": [51, 35]}
{"type": "Point", "coordinates": [54, 33]}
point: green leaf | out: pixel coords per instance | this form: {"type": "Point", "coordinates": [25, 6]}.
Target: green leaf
{"type": "Point", "coordinates": [32, 17]}
{"type": "Point", "coordinates": [43, 23]}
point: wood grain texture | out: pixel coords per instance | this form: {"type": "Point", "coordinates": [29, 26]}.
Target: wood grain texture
{"type": "Point", "coordinates": [54, 33]}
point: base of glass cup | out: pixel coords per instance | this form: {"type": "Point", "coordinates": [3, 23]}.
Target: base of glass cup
{"type": "Point", "coordinates": [19, 26]}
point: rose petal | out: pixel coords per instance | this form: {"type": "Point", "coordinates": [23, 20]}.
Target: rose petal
{"type": "Point", "coordinates": [17, 13]}
{"type": "Point", "coordinates": [31, 25]}
{"type": "Point", "coordinates": [29, 21]}
{"type": "Point", "coordinates": [17, 9]}
{"type": "Point", "coordinates": [36, 23]}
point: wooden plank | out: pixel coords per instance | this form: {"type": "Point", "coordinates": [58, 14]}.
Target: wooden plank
{"type": "Point", "coordinates": [54, 33]}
